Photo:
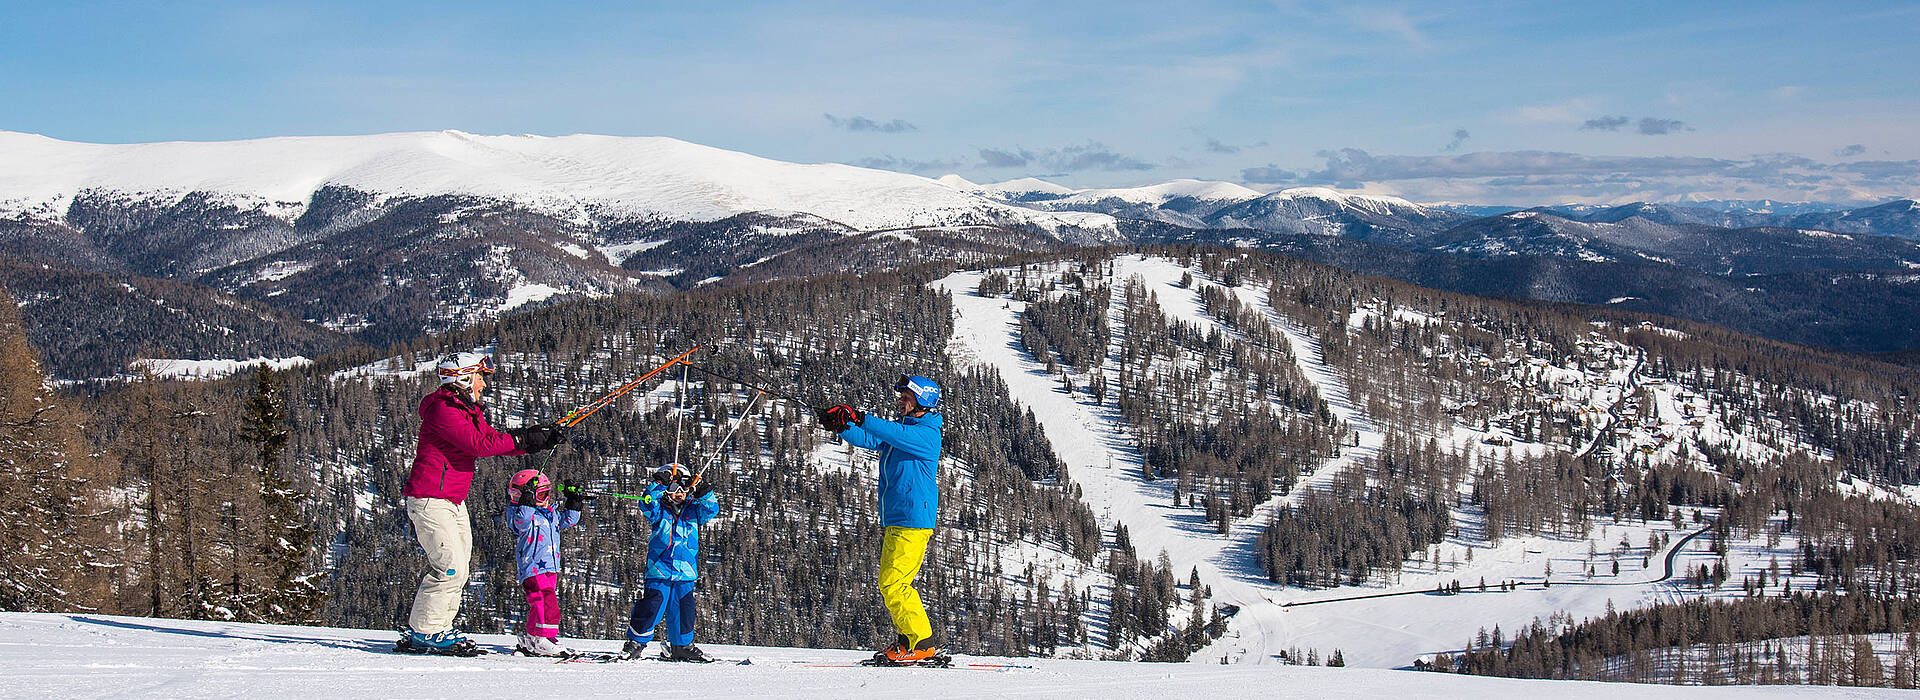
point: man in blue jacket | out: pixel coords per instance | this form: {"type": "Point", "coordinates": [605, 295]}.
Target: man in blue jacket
{"type": "Point", "coordinates": [909, 448]}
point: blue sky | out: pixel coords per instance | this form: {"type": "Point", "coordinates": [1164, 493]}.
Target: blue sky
{"type": "Point", "coordinates": [1497, 102]}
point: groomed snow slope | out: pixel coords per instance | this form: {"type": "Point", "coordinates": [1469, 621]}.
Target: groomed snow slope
{"type": "Point", "coordinates": [1381, 632]}
{"type": "Point", "coordinates": [75, 656]}
{"type": "Point", "coordinates": [626, 176]}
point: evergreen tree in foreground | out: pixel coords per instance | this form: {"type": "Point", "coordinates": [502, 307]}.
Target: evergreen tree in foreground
{"type": "Point", "coordinates": [54, 529]}
{"type": "Point", "coordinates": [286, 595]}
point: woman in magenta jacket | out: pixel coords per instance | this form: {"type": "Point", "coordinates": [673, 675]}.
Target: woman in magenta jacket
{"type": "Point", "coordinates": [453, 433]}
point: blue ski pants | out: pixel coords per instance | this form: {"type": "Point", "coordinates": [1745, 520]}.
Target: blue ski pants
{"type": "Point", "coordinates": [671, 600]}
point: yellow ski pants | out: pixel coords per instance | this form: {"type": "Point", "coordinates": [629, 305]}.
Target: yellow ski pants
{"type": "Point", "coordinates": [902, 549]}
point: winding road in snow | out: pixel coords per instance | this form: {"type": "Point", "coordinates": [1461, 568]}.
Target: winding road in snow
{"type": "Point", "coordinates": [1673, 553]}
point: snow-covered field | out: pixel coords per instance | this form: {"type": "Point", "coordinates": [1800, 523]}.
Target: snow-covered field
{"type": "Point", "coordinates": [92, 656]}
{"type": "Point", "coordinates": [1382, 632]}
{"type": "Point", "coordinates": [209, 369]}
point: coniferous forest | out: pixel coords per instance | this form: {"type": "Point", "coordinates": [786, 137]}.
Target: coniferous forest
{"type": "Point", "coordinates": [790, 562]}
{"type": "Point", "coordinates": [275, 495]}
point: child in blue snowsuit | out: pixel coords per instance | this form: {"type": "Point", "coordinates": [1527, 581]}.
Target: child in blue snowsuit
{"type": "Point", "coordinates": [676, 508]}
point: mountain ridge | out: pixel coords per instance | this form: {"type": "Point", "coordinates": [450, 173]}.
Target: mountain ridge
{"type": "Point", "coordinates": [582, 177]}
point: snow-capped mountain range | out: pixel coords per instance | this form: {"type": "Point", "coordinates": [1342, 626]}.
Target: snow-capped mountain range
{"type": "Point", "coordinates": [580, 178]}
{"type": "Point", "coordinates": [1204, 204]}
{"type": "Point", "coordinates": [382, 237]}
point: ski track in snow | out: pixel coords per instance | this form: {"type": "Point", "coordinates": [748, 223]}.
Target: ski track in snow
{"type": "Point", "coordinates": [1102, 458]}
{"type": "Point", "coordinates": [1272, 631]}
{"type": "Point", "coordinates": [72, 656]}
{"type": "Point", "coordinates": [1387, 632]}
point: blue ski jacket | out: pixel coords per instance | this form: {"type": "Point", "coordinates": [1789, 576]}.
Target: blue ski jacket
{"type": "Point", "coordinates": [536, 542]}
{"type": "Point", "coordinates": [909, 466]}
{"type": "Point", "coordinates": [673, 550]}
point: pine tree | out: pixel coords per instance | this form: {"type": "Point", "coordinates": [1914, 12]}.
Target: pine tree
{"type": "Point", "coordinates": [54, 551]}
{"type": "Point", "coordinates": [285, 537]}
{"type": "Point", "coordinates": [1867, 670]}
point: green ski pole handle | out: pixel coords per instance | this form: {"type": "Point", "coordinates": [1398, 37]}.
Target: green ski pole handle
{"type": "Point", "coordinates": [609, 494]}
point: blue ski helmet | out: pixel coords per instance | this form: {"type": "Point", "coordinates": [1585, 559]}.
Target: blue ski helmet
{"type": "Point", "coordinates": [925, 392]}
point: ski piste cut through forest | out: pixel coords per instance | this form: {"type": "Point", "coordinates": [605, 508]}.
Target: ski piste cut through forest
{"type": "Point", "coordinates": [1463, 427]}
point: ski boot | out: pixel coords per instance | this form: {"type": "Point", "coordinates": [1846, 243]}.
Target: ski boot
{"type": "Point", "coordinates": [448, 643]}
{"type": "Point", "coordinates": [690, 653]}
{"type": "Point", "coordinates": [541, 646]}
{"type": "Point", "coordinates": [630, 651]}
{"type": "Point", "coordinates": [926, 653]}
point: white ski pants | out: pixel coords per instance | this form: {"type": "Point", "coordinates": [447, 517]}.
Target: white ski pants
{"type": "Point", "coordinates": [447, 535]}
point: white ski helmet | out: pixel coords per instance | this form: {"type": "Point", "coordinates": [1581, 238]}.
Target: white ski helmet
{"type": "Point", "coordinates": [459, 368]}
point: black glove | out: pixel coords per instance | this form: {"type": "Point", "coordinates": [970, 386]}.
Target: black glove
{"type": "Point", "coordinates": [703, 488]}
{"type": "Point", "coordinates": [524, 439]}
{"type": "Point", "coordinates": [839, 417]}
{"type": "Point", "coordinates": [554, 434]}
{"type": "Point", "coordinates": [527, 496]}
{"type": "Point", "coordinates": [536, 438]}
{"type": "Point", "coordinates": [824, 416]}
{"type": "Point", "coordinates": [576, 499]}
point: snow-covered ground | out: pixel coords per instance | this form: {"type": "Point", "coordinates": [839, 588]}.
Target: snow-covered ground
{"type": "Point", "coordinates": [94, 656]}
{"type": "Point", "coordinates": [1385, 632]}
{"type": "Point", "coordinates": [209, 369]}
{"type": "Point", "coordinates": [1102, 459]}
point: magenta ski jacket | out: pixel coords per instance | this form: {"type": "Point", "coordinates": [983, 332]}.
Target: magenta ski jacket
{"type": "Point", "coordinates": [453, 433]}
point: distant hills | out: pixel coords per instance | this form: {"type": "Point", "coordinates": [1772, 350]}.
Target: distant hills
{"type": "Point", "coordinates": [374, 239]}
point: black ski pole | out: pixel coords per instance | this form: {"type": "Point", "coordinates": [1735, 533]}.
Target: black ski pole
{"type": "Point", "coordinates": [752, 385]}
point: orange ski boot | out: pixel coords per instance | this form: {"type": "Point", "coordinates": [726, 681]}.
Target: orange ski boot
{"type": "Point", "coordinates": [926, 653]}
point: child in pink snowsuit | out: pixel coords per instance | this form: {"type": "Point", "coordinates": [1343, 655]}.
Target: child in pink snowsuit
{"type": "Point", "coordinates": [536, 547]}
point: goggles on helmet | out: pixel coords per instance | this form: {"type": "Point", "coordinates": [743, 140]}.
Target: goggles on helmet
{"type": "Point", "coordinates": [484, 366]}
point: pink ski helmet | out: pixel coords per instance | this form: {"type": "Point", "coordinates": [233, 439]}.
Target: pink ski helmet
{"type": "Point", "coordinates": [529, 480]}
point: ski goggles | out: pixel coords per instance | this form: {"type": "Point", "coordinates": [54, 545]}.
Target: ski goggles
{"type": "Point", "coordinates": [484, 366]}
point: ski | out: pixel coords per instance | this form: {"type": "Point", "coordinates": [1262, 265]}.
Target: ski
{"type": "Point", "coordinates": [568, 656]}
{"type": "Point", "coordinates": [998, 668]}
{"type": "Point", "coordinates": [621, 658]}
{"type": "Point", "coordinates": [714, 660]}
{"type": "Point", "coordinates": [468, 650]}
{"type": "Point", "coordinates": [584, 657]}
{"type": "Point", "coordinates": [935, 661]}
{"type": "Point", "coordinates": [941, 661]}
